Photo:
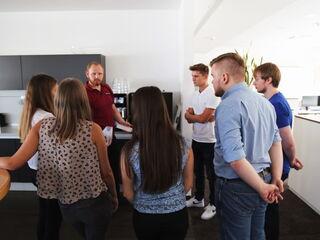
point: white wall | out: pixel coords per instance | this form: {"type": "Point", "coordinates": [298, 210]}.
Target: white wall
{"type": "Point", "coordinates": [186, 55]}
{"type": "Point", "coordinates": [146, 47]}
{"type": "Point", "coordinates": [140, 45]}
{"type": "Point", "coordinates": [290, 38]}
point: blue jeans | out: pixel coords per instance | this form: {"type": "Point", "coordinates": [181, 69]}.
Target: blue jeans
{"type": "Point", "coordinates": [240, 209]}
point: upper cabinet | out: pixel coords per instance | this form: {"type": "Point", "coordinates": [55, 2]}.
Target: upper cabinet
{"type": "Point", "coordinates": [16, 71]}
{"type": "Point", "coordinates": [10, 73]}
{"type": "Point", "coordinates": [58, 66]}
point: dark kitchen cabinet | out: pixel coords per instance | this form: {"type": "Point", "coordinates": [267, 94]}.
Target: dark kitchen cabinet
{"type": "Point", "coordinates": [7, 148]}
{"type": "Point", "coordinates": [58, 66]}
{"type": "Point", "coordinates": [10, 73]}
{"type": "Point", "coordinates": [16, 71]}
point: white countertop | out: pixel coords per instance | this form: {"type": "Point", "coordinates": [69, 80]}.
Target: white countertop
{"type": "Point", "coordinates": [12, 132]}
{"type": "Point", "coordinates": [122, 135]}
{"type": "Point", "coordinates": [311, 117]}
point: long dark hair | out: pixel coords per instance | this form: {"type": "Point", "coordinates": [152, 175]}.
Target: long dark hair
{"type": "Point", "coordinates": [38, 95]}
{"type": "Point", "coordinates": [159, 144]}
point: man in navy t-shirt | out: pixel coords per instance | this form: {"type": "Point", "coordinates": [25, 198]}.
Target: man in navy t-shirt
{"type": "Point", "coordinates": [267, 78]}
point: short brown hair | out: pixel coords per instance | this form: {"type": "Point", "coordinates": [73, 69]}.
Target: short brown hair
{"type": "Point", "coordinates": [235, 63]}
{"type": "Point", "coordinates": [200, 67]}
{"type": "Point", "coordinates": [93, 63]}
{"type": "Point", "coordinates": [269, 70]}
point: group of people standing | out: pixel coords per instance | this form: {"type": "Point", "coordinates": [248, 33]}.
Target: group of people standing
{"type": "Point", "coordinates": [236, 140]}
{"type": "Point", "coordinates": [253, 142]}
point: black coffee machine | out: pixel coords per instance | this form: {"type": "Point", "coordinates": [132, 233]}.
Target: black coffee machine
{"type": "Point", "coordinates": [168, 98]}
{"type": "Point", "coordinates": [3, 120]}
{"type": "Point", "coordinates": [121, 103]}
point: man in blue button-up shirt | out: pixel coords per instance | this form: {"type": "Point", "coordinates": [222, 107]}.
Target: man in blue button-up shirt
{"type": "Point", "coordinates": [248, 142]}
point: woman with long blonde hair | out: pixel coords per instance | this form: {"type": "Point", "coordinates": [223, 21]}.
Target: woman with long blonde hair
{"type": "Point", "coordinates": [73, 165]}
{"type": "Point", "coordinates": [38, 105]}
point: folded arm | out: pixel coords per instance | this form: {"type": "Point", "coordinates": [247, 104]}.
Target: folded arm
{"type": "Point", "coordinates": [206, 116]}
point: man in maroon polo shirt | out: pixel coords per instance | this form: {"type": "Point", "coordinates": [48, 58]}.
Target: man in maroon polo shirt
{"type": "Point", "coordinates": [100, 95]}
{"type": "Point", "coordinates": [103, 110]}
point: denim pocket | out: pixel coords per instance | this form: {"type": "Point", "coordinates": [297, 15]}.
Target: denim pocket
{"type": "Point", "coordinates": [240, 198]}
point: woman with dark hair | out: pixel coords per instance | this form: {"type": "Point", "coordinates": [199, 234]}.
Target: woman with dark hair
{"type": "Point", "coordinates": [73, 166]}
{"type": "Point", "coordinates": [38, 104]}
{"type": "Point", "coordinates": [156, 169]}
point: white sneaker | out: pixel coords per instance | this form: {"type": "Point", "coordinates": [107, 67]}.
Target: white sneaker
{"type": "Point", "coordinates": [189, 193]}
{"type": "Point", "coordinates": [193, 202]}
{"type": "Point", "coordinates": [209, 212]}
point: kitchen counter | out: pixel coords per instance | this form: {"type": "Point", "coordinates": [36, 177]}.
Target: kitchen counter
{"type": "Point", "coordinates": [10, 132]}
{"type": "Point", "coordinates": [310, 117]}
{"type": "Point", "coordinates": [304, 183]}
{"type": "Point", "coordinates": [123, 135]}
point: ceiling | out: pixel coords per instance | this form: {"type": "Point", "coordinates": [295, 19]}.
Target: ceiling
{"type": "Point", "coordinates": [226, 19]}
{"type": "Point", "coordinates": [82, 5]}
{"type": "Point", "coordinates": [217, 22]}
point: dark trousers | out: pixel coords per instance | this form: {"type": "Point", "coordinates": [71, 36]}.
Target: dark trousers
{"type": "Point", "coordinates": [161, 226]}
{"type": "Point", "coordinates": [272, 219]}
{"type": "Point", "coordinates": [49, 219]}
{"type": "Point", "coordinates": [203, 160]}
{"type": "Point", "coordinates": [90, 217]}
{"type": "Point", "coordinates": [114, 158]}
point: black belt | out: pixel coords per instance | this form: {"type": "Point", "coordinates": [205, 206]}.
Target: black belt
{"type": "Point", "coordinates": [262, 174]}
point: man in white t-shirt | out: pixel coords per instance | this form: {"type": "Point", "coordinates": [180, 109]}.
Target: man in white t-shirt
{"type": "Point", "coordinates": [201, 114]}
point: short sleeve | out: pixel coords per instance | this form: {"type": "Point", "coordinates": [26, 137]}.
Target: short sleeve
{"type": "Point", "coordinates": [191, 101]}
{"type": "Point", "coordinates": [277, 137]}
{"type": "Point", "coordinates": [283, 116]}
{"type": "Point", "coordinates": [39, 115]}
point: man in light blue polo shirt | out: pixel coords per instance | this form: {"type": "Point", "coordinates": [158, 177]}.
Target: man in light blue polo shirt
{"type": "Point", "coordinates": [248, 142]}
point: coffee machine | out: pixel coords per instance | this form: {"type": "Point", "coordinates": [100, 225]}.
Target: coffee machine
{"type": "Point", "coordinates": [121, 103]}
{"type": "Point", "coordinates": [168, 98]}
